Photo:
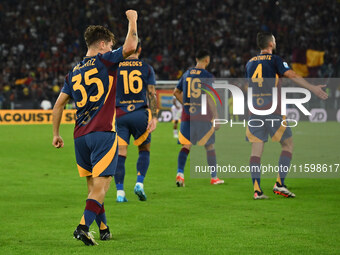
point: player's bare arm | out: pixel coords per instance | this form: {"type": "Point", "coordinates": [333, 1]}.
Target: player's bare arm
{"type": "Point", "coordinates": [153, 107]}
{"type": "Point", "coordinates": [213, 108]}
{"type": "Point", "coordinates": [315, 89]}
{"type": "Point", "coordinates": [179, 95]}
{"type": "Point", "coordinates": [131, 40]}
{"type": "Point", "coordinates": [56, 118]}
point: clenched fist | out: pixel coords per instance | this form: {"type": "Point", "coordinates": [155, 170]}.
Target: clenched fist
{"type": "Point", "coordinates": [131, 15]}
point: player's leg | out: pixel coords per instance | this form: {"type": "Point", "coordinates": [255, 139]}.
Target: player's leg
{"type": "Point", "coordinates": [94, 206]}
{"type": "Point", "coordinates": [284, 164]}
{"type": "Point", "coordinates": [181, 161]}
{"type": "Point", "coordinates": [83, 154]}
{"type": "Point", "coordinates": [123, 142]}
{"type": "Point", "coordinates": [283, 134]}
{"type": "Point", "coordinates": [184, 139]}
{"type": "Point", "coordinates": [120, 173]}
{"type": "Point", "coordinates": [142, 168]}
{"type": "Point", "coordinates": [102, 222]}
{"type": "Point", "coordinates": [101, 216]}
{"type": "Point", "coordinates": [285, 158]}
{"type": "Point", "coordinates": [212, 162]}
{"type": "Point", "coordinates": [175, 131]}
{"type": "Point", "coordinates": [257, 136]}
{"type": "Point", "coordinates": [139, 123]}
{"type": "Point", "coordinates": [103, 158]}
{"type": "Point", "coordinates": [255, 166]}
{"type": "Point", "coordinates": [175, 118]}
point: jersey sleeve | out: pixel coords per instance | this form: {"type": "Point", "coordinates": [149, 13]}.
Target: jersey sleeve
{"type": "Point", "coordinates": [112, 57]}
{"type": "Point", "coordinates": [151, 77]}
{"type": "Point", "coordinates": [67, 88]}
{"type": "Point", "coordinates": [281, 66]}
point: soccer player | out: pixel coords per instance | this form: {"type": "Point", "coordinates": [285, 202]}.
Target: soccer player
{"type": "Point", "coordinates": [258, 68]}
{"type": "Point", "coordinates": [188, 93]}
{"type": "Point", "coordinates": [92, 85]}
{"type": "Point", "coordinates": [135, 85]}
{"type": "Point", "coordinates": [176, 110]}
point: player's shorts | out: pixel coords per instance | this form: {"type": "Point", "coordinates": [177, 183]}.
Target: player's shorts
{"type": "Point", "coordinates": [97, 154]}
{"type": "Point", "coordinates": [176, 113]}
{"type": "Point", "coordinates": [134, 123]}
{"type": "Point", "coordinates": [200, 132]}
{"type": "Point", "coordinates": [260, 127]}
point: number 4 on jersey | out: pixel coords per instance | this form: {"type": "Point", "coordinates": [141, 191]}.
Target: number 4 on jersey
{"type": "Point", "coordinates": [257, 76]}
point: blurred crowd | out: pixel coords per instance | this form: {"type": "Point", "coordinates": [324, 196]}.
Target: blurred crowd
{"type": "Point", "coordinates": [41, 40]}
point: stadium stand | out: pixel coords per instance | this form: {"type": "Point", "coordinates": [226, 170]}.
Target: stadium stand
{"type": "Point", "coordinates": [42, 39]}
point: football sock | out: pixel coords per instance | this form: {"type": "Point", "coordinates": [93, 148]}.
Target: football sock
{"type": "Point", "coordinates": [101, 219]}
{"type": "Point", "coordinates": [255, 169]}
{"type": "Point", "coordinates": [284, 163]}
{"type": "Point", "coordinates": [92, 208]}
{"type": "Point", "coordinates": [211, 158]}
{"type": "Point", "coordinates": [175, 132]}
{"type": "Point", "coordinates": [142, 165]}
{"type": "Point", "coordinates": [182, 159]}
{"type": "Point", "coordinates": [120, 173]}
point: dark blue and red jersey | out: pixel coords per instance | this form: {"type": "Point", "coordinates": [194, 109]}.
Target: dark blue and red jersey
{"type": "Point", "coordinates": [134, 76]}
{"type": "Point", "coordinates": [192, 82]}
{"type": "Point", "coordinates": [92, 85]}
{"type": "Point", "coordinates": [263, 72]}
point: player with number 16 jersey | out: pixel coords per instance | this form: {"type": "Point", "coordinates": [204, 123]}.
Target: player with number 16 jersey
{"type": "Point", "coordinates": [135, 89]}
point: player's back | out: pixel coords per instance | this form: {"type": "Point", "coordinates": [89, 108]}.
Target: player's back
{"type": "Point", "coordinates": [193, 81]}
{"type": "Point", "coordinates": [263, 72]}
{"type": "Point", "coordinates": [91, 84]}
{"type": "Point", "coordinates": [133, 78]}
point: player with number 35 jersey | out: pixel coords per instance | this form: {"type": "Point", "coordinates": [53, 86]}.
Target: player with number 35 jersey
{"type": "Point", "coordinates": [92, 85]}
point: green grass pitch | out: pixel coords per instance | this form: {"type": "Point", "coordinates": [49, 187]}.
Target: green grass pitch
{"type": "Point", "coordinates": [42, 200]}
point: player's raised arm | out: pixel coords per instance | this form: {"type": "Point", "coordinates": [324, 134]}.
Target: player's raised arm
{"type": "Point", "coordinates": [131, 39]}
{"type": "Point", "coordinates": [315, 89]}
{"type": "Point", "coordinates": [56, 118]}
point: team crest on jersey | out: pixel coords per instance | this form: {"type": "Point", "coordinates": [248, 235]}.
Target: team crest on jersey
{"type": "Point", "coordinates": [192, 109]}
{"type": "Point", "coordinates": [285, 65]}
{"type": "Point", "coordinates": [131, 107]}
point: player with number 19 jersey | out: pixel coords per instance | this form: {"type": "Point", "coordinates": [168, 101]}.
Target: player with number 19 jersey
{"type": "Point", "coordinates": [192, 83]}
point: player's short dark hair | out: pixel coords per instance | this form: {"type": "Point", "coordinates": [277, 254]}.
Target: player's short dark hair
{"type": "Point", "coordinates": [202, 53]}
{"type": "Point", "coordinates": [263, 38]}
{"type": "Point", "coordinates": [139, 45]}
{"type": "Point", "coordinates": [95, 33]}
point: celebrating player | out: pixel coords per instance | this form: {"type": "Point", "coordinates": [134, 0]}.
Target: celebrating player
{"type": "Point", "coordinates": [92, 85]}
{"type": "Point", "coordinates": [176, 110]}
{"type": "Point", "coordinates": [188, 93]}
{"type": "Point", "coordinates": [136, 80]}
{"type": "Point", "coordinates": [267, 65]}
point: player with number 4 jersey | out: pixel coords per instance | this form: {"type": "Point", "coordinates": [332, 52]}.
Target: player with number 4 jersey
{"type": "Point", "coordinates": [136, 116]}
{"type": "Point", "coordinates": [263, 72]}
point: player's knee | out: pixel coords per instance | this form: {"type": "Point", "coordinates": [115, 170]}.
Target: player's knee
{"type": "Point", "coordinates": [186, 146]}
{"type": "Point", "coordinates": [144, 147]}
{"type": "Point", "coordinates": [122, 150]}
{"type": "Point", "coordinates": [288, 145]}
{"type": "Point", "coordinates": [209, 147]}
